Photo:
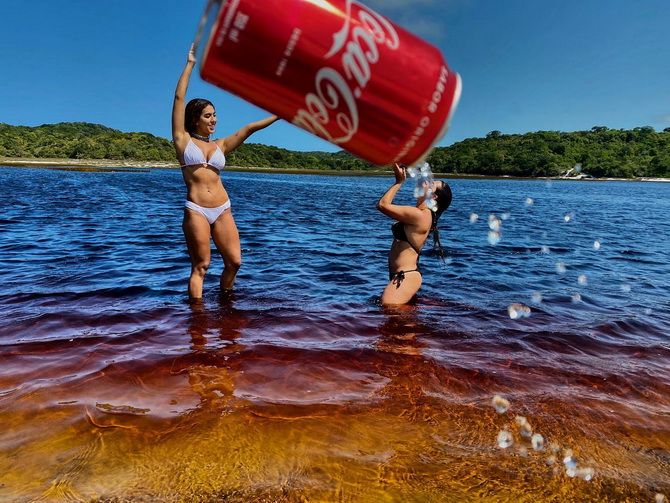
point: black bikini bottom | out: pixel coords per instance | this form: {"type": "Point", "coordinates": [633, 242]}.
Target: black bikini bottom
{"type": "Point", "coordinates": [398, 277]}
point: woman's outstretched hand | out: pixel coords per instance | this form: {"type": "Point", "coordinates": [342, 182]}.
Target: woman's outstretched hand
{"type": "Point", "coordinates": [191, 54]}
{"type": "Point", "coordinates": [400, 172]}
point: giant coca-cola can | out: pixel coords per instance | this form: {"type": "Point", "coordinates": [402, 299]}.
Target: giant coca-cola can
{"type": "Point", "coordinates": [335, 68]}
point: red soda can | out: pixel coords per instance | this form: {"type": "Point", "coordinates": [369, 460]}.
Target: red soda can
{"type": "Point", "coordinates": [335, 68]}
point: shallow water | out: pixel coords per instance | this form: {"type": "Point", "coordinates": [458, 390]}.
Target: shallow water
{"type": "Point", "coordinates": [299, 387]}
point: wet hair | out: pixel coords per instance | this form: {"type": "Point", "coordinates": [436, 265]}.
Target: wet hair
{"type": "Point", "coordinates": [443, 201]}
{"type": "Point", "coordinates": [193, 112]}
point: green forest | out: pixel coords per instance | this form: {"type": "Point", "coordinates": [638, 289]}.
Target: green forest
{"type": "Point", "coordinates": [601, 152]}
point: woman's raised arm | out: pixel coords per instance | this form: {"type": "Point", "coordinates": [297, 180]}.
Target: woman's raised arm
{"type": "Point", "coordinates": [233, 141]}
{"type": "Point", "coordinates": [178, 106]}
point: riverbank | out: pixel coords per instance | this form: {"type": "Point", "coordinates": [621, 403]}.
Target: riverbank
{"type": "Point", "coordinates": [125, 164]}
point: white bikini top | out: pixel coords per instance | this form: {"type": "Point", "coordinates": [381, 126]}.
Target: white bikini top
{"type": "Point", "coordinates": [194, 156]}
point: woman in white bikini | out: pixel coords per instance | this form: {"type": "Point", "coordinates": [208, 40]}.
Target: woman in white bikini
{"type": "Point", "coordinates": [410, 232]}
{"type": "Point", "coordinates": [207, 214]}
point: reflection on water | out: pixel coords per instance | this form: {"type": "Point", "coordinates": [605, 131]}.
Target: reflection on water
{"type": "Point", "coordinates": [299, 387]}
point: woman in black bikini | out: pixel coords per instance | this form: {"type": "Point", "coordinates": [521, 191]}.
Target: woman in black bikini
{"type": "Point", "coordinates": [414, 224]}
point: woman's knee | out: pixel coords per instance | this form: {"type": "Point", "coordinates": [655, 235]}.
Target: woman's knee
{"type": "Point", "coordinates": [233, 263]}
{"type": "Point", "coordinates": [200, 267]}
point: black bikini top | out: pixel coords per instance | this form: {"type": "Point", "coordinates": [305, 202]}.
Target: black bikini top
{"type": "Point", "coordinates": [398, 230]}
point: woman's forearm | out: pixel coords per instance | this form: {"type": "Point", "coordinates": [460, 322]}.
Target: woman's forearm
{"type": "Point", "coordinates": [182, 84]}
{"type": "Point", "coordinates": [389, 195]}
{"type": "Point", "coordinates": [261, 124]}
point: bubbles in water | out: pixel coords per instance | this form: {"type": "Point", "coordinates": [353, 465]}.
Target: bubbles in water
{"type": "Point", "coordinates": [537, 441]}
{"type": "Point", "coordinates": [625, 288]}
{"type": "Point", "coordinates": [560, 268]}
{"type": "Point", "coordinates": [576, 297]}
{"type": "Point", "coordinates": [596, 245]}
{"type": "Point", "coordinates": [500, 404]}
{"type": "Point", "coordinates": [505, 439]}
{"type": "Point", "coordinates": [517, 311]}
{"type": "Point", "coordinates": [529, 201]}
{"type": "Point", "coordinates": [544, 249]}
{"type": "Point", "coordinates": [582, 280]}
{"type": "Point", "coordinates": [473, 217]}
{"type": "Point", "coordinates": [494, 237]}
{"type": "Point", "coordinates": [536, 297]}
{"type": "Point", "coordinates": [525, 430]}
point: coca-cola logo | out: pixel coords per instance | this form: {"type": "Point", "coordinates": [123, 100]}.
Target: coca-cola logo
{"type": "Point", "coordinates": [331, 111]}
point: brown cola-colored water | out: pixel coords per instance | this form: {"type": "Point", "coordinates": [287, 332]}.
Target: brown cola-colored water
{"type": "Point", "coordinates": [230, 418]}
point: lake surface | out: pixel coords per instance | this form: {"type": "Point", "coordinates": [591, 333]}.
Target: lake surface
{"type": "Point", "coordinates": [300, 387]}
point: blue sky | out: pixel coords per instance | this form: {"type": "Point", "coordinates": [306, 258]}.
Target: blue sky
{"type": "Point", "coordinates": [526, 65]}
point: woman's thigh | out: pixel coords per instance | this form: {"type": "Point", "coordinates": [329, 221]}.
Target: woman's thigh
{"type": "Point", "coordinates": [227, 238]}
{"type": "Point", "coordinates": [197, 234]}
{"type": "Point", "coordinates": [402, 293]}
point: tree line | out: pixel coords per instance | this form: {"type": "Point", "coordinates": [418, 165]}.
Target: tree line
{"type": "Point", "coordinates": [601, 152]}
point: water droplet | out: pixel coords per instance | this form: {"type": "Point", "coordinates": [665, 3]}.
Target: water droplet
{"type": "Point", "coordinates": [494, 223]}
{"type": "Point", "coordinates": [576, 297]}
{"type": "Point", "coordinates": [582, 280]}
{"type": "Point", "coordinates": [494, 237]}
{"type": "Point", "coordinates": [537, 441]}
{"type": "Point", "coordinates": [544, 249]}
{"type": "Point", "coordinates": [568, 217]}
{"type": "Point", "coordinates": [505, 216]}
{"type": "Point", "coordinates": [570, 463]}
{"type": "Point", "coordinates": [625, 288]}
{"type": "Point", "coordinates": [536, 297]}
{"type": "Point", "coordinates": [411, 172]}
{"type": "Point", "coordinates": [578, 168]}
{"type": "Point", "coordinates": [586, 473]}
{"type": "Point", "coordinates": [660, 498]}
{"type": "Point", "coordinates": [517, 311]}
{"type": "Point", "coordinates": [648, 311]}
{"type": "Point", "coordinates": [529, 201]}
{"type": "Point", "coordinates": [551, 460]}
{"type": "Point", "coordinates": [560, 268]}
{"type": "Point", "coordinates": [473, 217]}
{"type": "Point", "coordinates": [505, 439]}
{"type": "Point", "coordinates": [500, 404]}
{"type": "Point", "coordinates": [596, 245]}
{"type": "Point", "coordinates": [523, 451]}
{"type": "Point", "coordinates": [525, 430]}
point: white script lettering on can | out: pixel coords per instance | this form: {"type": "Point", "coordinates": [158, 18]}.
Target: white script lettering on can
{"type": "Point", "coordinates": [359, 49]}
{"type": "Point", "coordinates": [425, 120]}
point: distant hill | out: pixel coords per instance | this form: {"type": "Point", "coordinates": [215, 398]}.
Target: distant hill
{"type": "Point", "coordinates": [601, 152]}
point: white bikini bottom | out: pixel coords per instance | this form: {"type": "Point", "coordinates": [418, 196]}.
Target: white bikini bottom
{"type": "Point", "coordinates": [211, 214]}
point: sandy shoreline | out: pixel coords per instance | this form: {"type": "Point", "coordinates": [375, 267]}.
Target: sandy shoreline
{"type": "Point", "coordinates": [124, 164]}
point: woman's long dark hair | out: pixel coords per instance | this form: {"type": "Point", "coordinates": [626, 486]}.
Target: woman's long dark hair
{"type": "Point", "coordinates": [193, 112]}
{"type": "Point", "coordinates": [443, 201]}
